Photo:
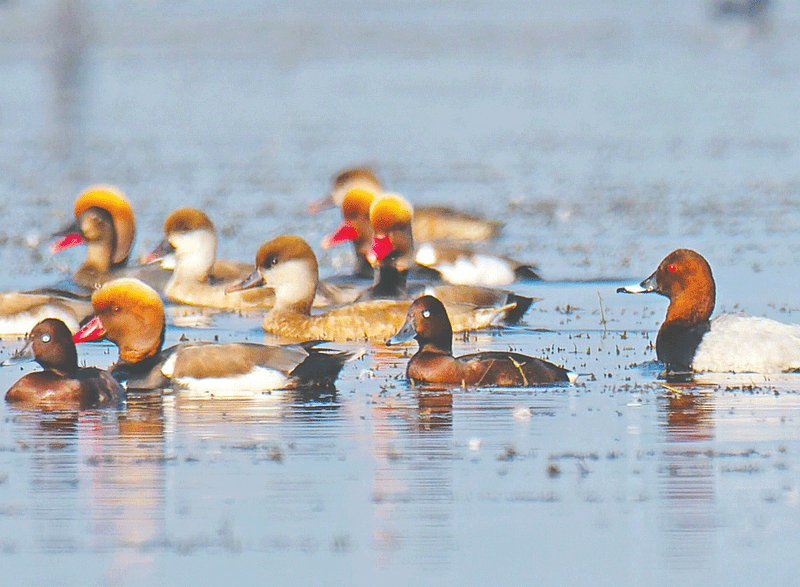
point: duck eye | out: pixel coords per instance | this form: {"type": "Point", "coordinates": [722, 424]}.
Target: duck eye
{"type": "Point", "coordinates": [672, 268]}
{"type": "Point", "coordinates": [116, 309]}
{"type": "Point", "coordinates": [271, 261]}
{"type": "Point", "coordinates": [45, 338]}
{"type": "Point", "coordinates": [426, 313]}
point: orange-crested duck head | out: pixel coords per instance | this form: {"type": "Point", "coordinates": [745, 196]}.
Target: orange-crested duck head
{"type": "Point", "coordinates": [130, 314]}
{"type": "Point", "coordinates": [95, 207]}
{"type": "Point", "coordinates": [392, 244]}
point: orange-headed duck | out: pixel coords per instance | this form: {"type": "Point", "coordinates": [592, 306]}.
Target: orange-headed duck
{"type": "Point", "coordinates": [464, 266]}
{"type": "Point", "coordinates": [434, 362]}
{"type": "Point", "coordinates": [689, 340]}
{"type": "Point", "coordinates": [392, 252]}
{"type": "Point", "coordinates": [130, 314]}
{"type": "Point", "coordinates": [104, 222]}
{"type": "Point", "coordinates": [288, 265]}
{"type": "Point", "coordinates": [430, 222]}
{"type": "Point", "coordinates": [62, 385]}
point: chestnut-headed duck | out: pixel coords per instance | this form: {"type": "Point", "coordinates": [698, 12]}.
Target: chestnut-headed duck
{"type": "Point", "coordinates": [130, 314]}
{"type": "Point", "coordinates": [62, 385]}
{"type": "Point", "coordinates": [392, 252]}
{"type": "Point", "coordinates": [430, 222]}
{"type": "Point", "coordinates": [288, 265]}
{"type": "Point", "coordinates": [689, 340]}
{"type": "Point", "coordinates": [434, 363]}
{"type": "Point", "coordinates": [464, 266]}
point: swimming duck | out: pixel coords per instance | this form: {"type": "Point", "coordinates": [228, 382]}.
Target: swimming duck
{"type": "Point", "coordinates": [428, 323]}
{"type": "Point", "coordinates": [355, 227]}
{"type": "Point", "coordinates": [130, 314]}
{"type": "Point", "coordinates": [62, 384]}
{"type": "Point", "coordinates": [288, 265]}
{"type": "Point", "coordinates": [689, 340]}
{"type": "Point", "coordinates": [430, 222]}
{"type": "Point", "coordinates": [104, 222]}
{"type": "Point", "coordinates": [392, 252]}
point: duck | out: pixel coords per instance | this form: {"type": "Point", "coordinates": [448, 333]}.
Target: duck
{"type": "Point", "coordinates": [61, 384]}
{"type": "Point", "coordinates": [690, 341]}
{"type": "Point", "coordinates": [130, 314]}
{"type": "Point", "coordinates": [461, 265]}
{"type": "Point", "coordinates": [198, 277]}
{"type": "Point", "coordinates": [433, 363]}
{"type": "Point", "coordinates": [430, 222]}
{"type": "Point", "coordinates": [392, 253]}
{"type": "Point", "coordinates": [105, 223]}
{"type": "Point", "coordinates": [289, 266]}
{"type": "Point", "coordinates": [355, 227]}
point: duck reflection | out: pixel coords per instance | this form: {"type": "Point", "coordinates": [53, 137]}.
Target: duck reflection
{"type": "Point", "coordinates": [412, 489]}
{"type": "Point", "coordinates": [687, 478]}
{"type": "Point", "coordinates": [101, 468]}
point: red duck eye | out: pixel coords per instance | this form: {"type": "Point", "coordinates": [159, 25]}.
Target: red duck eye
{"type": "Point", "coordinates": [672, 268]}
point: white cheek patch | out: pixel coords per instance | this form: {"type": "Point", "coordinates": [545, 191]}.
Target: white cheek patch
{"type": "Point", "coordinates": [477, 270]}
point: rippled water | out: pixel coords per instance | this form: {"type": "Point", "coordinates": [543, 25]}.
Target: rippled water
{"type": "Point", "coordinates": [604, 134]}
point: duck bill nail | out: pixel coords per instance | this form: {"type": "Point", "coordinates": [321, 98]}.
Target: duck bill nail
{"type": "Point", "coordinates": [381, 246]}
{"type": "Point", "coordinates": [163, 249]}
{"type": "Point", "coordinates": [23, 355]}
{"type": "Point", "coordinates": [66, 241]}
{"type": "Point", "coordinates": [646, 286]}
{"type": "Point", "coordinates": [345, 232]}
{"type": "Point", "coordinates": [324, 203]}
{"type": "Point", "coordinates": [251, 281]}
{"type": "Point", "coordinates": [92, 330]}
{"type": "Point", "coordinates": [406, 333]}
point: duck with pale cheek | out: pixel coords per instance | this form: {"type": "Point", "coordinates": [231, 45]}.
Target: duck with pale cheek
{"type": "Point", "coordinates": [434, 363]}
{"type": "Point", "coordinates": [61, 385]}
{"type": "Point", "coordinates": [689, 340]}
{"type": "Point", "coordinates": [130, 314]}
{"type": "Point", "coordinates": [288, 265]}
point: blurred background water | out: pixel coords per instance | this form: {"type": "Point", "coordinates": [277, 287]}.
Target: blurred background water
{"type": "Point", "coordinates": [604, 134]}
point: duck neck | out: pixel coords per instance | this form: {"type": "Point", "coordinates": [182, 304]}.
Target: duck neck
{"type": "Point", "coordinates": [390, 282]}
{"type": "Point", "coordinates": [295, 288]}
{"type": "Point", "coordinates": [141, 345]}
{"type": "Point", "coordinates": [693, 306]}
{"type": "Point", "coordinates": [442, 345]}
{"type": "Point", "coordinates": [194, 257]}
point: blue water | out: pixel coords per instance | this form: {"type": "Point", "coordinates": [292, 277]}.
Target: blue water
{"type": "Point", "coordinates": [604, 134]}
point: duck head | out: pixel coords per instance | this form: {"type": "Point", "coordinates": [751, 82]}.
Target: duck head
{"type": "Point", "coordinates": [50, 344]}
{"type": "Point", "coordinates": [684, 276]}
{"type": "Point", "coordinates": [288, 265]}
{"type": "Point", "coordinates": [392, 244]}
{"type": "Point", "coordinates": [190, 235]}
{"type": "Point", "coordinates": [428, 323]}
{"type": "Point", "coordinates": [130, 314]}
{"type": "Point", "coordinates": [104, 222]}
{"type": "Point", "coordinates": [357, 177]}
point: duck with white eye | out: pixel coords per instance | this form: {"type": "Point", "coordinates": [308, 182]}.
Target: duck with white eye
{"type": "Point", "coordinates": [689, 340]}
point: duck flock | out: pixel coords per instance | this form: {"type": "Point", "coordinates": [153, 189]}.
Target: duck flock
{"type": "Point", "coordinates": [409, 282]}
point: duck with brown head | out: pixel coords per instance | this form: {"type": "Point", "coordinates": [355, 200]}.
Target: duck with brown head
{"type": "Point", "coordinates": [434, 363]}
{"type": "Point", "coordinates": [690, 340]}
{"type": "Point", "coordinates": [61, 385]}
